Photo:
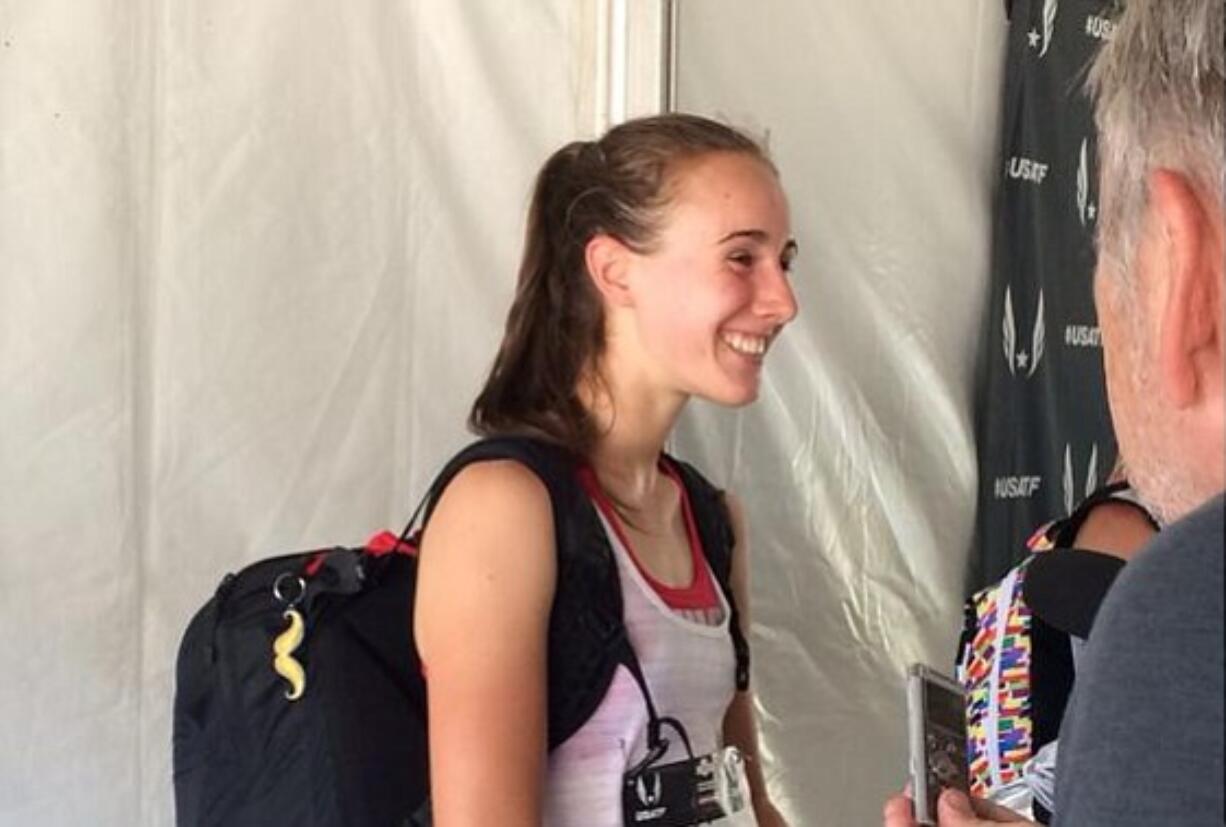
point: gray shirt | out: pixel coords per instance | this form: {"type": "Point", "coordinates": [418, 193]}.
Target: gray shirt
{"type": "Point", "coordinates": [1142, 739]}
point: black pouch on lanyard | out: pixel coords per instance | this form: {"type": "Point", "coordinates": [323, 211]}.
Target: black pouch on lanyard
{"type": "Point", "coordinates": [697, 790]}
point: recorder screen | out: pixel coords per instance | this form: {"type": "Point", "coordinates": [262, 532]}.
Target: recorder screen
{"type": "Point", "coordinates": [944, 738]}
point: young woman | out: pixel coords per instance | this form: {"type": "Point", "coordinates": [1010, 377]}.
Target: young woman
{"type": "Point", "coordinates": [655, 269]}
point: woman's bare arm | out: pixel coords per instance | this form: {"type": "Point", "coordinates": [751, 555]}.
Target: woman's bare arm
{"type": "Point", "coordinates": [484, 592]}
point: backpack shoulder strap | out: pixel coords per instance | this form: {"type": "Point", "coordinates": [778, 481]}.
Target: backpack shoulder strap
{"type": "Point", "coordinates": [710, 509]}
{"type": "Point", "coordinates": [553, 464]}
{"type": "Point", "coordinates": [1063, 533]}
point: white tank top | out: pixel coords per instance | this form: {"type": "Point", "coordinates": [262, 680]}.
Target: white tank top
{"type": "Point", "coordinates": [689, 668]}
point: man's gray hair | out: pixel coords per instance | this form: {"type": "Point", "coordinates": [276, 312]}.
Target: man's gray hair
{"type": "Point", "coordinates": [1158, 87]}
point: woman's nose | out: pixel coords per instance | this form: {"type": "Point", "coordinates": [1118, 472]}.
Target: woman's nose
{"type": "Point", "coordinates": [776, 299]}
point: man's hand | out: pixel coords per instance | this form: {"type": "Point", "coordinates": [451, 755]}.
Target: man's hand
{"type": "Point", "coordinates": [954, 809]}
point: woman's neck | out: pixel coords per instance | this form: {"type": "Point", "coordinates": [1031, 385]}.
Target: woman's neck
{"type": "Point", "coordinates": [633, 424]}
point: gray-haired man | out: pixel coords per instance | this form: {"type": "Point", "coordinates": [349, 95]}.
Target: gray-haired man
{"type": "Point", "coordinates": [1142, 741]}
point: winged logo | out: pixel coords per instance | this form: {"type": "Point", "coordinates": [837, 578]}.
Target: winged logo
{"type": "Point", "coordinates": [1083, 183]}
{"type": "Point", "coordinates": [1091, 477]}
{"type": "Point", "coordinates": [1092, 471]}
{"type": "Point", "coordinates": [1038, 340]}
{"type": "Point", "coordinates": [1050, 7]}
{"type": "Point", "coordinates": [1010, 330]}
{"type": "Point", "coordinates": [1068, 479]}
{"type": "Point", "coordinates": [1020, 360]}
{"type": "Point", "coordinates": [1070, 485]}
{"type": "Point", "coordinates": [648, 796]}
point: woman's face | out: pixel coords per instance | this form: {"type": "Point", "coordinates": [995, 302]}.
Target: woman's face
{"type": "Point", "coordinates": [713, 293]}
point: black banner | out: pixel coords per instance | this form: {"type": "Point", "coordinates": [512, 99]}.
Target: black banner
{"type": "Point", "coordinates": [1043, 427]}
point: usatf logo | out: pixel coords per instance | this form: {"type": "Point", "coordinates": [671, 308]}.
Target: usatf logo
{"type": "Point", "coordinates": [1073, 493]}
{"type": "Point", "coordinates": [1016, 487]}
{"type": "Point", "coordinates": [1026, 169]}
{"type": "Point", "coordinates": [1099, 27]}
{"type": "Point", "coordinates": [1021, 361]}
{"type": "Point", "coordinates": [1042, 42]}
{"type": "Point", "coordinates": [1082, 335]}
{"type": "Point", "coordinates": [648, 796]}
{"type": "Point", "coordinates": [1087, 210]}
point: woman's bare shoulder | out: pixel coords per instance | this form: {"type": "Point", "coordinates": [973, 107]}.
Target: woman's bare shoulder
{"type": "Point", "coordinates": [501, 495]}
{"type": "Point", "coordinates": [489, 545]}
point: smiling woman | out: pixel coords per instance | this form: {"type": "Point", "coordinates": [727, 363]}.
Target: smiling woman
{"type": "Point", "coordinates": [655, 269]}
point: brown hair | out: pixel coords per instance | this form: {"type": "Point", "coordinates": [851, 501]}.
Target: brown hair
{"type": "Point", "coordinates": [617, 185]}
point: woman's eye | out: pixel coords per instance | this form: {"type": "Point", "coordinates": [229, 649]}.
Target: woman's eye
{"type": "Point", "coordinates": [744, 260]}
{"type": "Point", "coordinates": [788, 258]}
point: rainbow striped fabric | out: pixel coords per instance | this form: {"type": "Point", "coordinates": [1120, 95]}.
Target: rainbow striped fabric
{"type": "Point", "coordinates": [994, 668]}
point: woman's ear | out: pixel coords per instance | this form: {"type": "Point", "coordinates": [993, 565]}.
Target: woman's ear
{"type": "Point", "coordinates": [608, 264]}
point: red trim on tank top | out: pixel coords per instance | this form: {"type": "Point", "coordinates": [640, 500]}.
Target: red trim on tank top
{"type": "Point", "coordinates": [700, 593]}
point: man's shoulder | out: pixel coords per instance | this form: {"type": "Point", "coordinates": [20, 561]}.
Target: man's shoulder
{"type": "Point", "coordinates": [1168, 599]}
{"type": "Point", "coordinates": [1187, 557]}
{"type": "Point", "coordinates": [1142, 742]}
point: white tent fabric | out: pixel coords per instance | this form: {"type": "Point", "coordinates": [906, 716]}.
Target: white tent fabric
{"type": "Point", "coordinates": [857, 465]}
{"type": "Point", "coordinates": [254, 259]}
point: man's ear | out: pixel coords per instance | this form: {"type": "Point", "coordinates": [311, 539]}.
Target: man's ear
{"type": "Point", "coordinates": [608, 264]}
{"type": "Point", "coordinates": [1190, 310]}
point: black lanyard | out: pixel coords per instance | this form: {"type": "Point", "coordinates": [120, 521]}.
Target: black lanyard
{"type": "Point", "coordinates": [679, 793]}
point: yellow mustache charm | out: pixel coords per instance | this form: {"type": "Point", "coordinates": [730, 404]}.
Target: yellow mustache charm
{"type": "Point", "coordinates": [283, 647]}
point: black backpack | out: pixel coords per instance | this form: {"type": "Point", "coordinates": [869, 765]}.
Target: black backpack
{"type": "Point", "coordinates": [351, 749]}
